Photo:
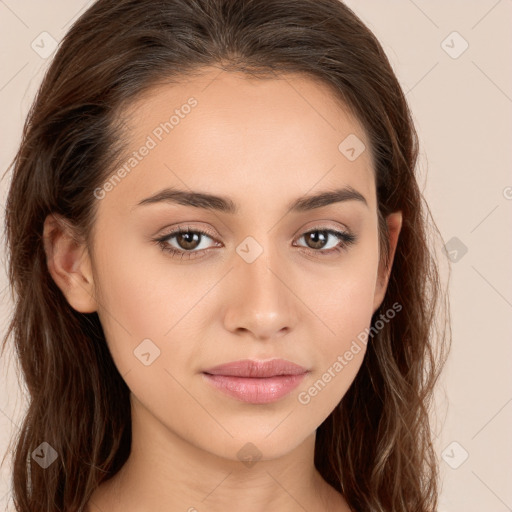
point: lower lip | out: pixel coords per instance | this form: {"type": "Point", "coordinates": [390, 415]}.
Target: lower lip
{"type": "Point", "coordinates": [255, 390]}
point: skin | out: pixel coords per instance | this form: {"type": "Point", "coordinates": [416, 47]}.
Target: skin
{"type": "Point", "coordinates": [262, 144]}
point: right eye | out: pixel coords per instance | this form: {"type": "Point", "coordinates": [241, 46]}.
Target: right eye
{"type": "Point", "coordinates": [188, 237]}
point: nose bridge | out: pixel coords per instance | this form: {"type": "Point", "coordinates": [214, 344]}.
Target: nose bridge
{"type": "Point", "coordinates": [261, 302]}
{"type": "Point", "coordinates": [258, 274]}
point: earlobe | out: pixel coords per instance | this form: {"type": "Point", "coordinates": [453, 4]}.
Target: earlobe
{"type": "Point", "coordinates": [69, 263]}
{"type": "Point", "coordinates": [394, 223]}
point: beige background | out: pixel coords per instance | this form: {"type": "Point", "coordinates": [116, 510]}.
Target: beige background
{"type": "Point", "coordinates": [462, 104]}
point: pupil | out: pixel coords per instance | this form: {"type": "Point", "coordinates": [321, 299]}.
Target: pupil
{"type": "Point", "coordinates": [318, 238]}
{"type": "Point", "coordinates": [188, 239]}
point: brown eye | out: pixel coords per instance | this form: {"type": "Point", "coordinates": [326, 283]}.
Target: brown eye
{"type": "Point", "coordinates": [317, 239]}
{"type": "Point", "coordinates": [188, 242]}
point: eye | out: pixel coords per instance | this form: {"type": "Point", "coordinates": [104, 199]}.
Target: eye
{"type": "Point", "coordinates": [189, 241]}
{"type": "Point", "coordinates": [188, 238]}
{"type": "Point", "coordinates": [318, 237]}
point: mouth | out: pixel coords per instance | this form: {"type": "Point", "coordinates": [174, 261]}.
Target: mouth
{"type": "Point", "coordinates": [256, 382]}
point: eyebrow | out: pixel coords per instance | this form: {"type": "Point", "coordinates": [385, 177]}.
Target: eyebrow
{"type": "Point", "coordinates": [226, 205]}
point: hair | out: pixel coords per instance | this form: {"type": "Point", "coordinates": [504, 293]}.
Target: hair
{"type": "Point", "coordinates": [376, 446]}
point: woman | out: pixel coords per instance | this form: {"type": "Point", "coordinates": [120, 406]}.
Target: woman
{"type": "Point", "coordinates": [225, 292]}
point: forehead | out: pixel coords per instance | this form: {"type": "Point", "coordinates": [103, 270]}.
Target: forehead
{"type": "Point", "coordinates": [226, 132]}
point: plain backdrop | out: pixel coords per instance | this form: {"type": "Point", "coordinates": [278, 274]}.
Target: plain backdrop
{"type": "Point", "coordinates": [453, 61]}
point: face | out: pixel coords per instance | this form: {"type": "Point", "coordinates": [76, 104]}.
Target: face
{"type": "Point", "coordinates": [261, 274]}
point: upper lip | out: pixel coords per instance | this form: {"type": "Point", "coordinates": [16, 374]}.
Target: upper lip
{"type": "Point", "coordinates": [257, 369]}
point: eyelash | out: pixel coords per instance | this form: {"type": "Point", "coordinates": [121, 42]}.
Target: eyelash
{"type": "Point", "coordinates": [347, 239]}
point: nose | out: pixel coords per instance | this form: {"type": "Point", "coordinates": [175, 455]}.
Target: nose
{"type": "Point", "coordinates": [260, 298]}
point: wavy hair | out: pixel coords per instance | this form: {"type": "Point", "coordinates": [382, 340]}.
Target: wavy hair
{"type": "Point", "coordinates": [376, 446]}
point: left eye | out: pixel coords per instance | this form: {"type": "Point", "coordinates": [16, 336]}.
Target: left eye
{"type": "Point", "coordinates": [319, 236]}
{"type": "Point", "coordinates": [191, 239]}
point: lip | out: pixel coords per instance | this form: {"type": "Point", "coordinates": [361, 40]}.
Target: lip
{"type": "Point", "coordinates": [257, 369]}
{"type": "Point", "coordinates": [257, 382]}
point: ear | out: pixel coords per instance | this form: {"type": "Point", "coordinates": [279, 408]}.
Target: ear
{"type": "Point", "coordinates": [394, 223]}
{"type": "Point", "coordinates": [69, 263]}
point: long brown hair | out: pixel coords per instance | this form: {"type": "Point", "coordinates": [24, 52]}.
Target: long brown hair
{"type": "Point", "coordinates": [376, 446]}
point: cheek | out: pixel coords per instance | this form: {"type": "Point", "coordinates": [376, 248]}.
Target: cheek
{"type": "Point", "coordinates": [131, 305]}
{"type": "Point", "coordinates": [342, 296]}
{"type": "Point", "coordinates": [343, 307]}
{"type": "Point", "coordinates": [146, 295]}
{"type": "Point", "coordinates": [348, 309]}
